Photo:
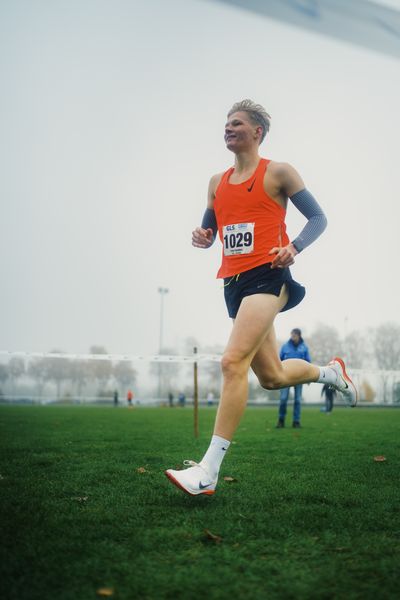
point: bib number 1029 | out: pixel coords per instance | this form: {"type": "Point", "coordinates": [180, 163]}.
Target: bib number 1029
{"type": "Point", "coordinates": [238, 238]}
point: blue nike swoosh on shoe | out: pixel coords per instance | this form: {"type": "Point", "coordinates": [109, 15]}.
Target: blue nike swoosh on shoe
{"type": "Point", "coordinates": [203, 486]}
{"type": "Point", "coordinates": [224, 449]}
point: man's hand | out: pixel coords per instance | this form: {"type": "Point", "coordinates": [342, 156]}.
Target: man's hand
{"type": "Point", "coordinates": [284, 256]}
{"type": "Point", "coordinates": [202, 238]}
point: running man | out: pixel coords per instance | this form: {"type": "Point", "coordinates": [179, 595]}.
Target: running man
{"type": "Point", "coordinates": [247, 208]}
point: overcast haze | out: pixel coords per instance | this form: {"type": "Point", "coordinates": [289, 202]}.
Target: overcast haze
{"type": "Point", "coordinates": [112, 118]}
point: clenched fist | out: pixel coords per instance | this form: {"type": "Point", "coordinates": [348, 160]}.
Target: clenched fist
{"type": "Point", "coordinates": [202, 238]}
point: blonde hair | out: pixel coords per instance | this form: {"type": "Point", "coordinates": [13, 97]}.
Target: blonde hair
{"type": "Point", "coordinates": [257, 114]}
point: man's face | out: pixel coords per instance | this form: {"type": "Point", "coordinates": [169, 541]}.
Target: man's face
{"type": "Point", "coordinates": [240, 133]}
{"type": "Point", "coordinates": [295, 338]}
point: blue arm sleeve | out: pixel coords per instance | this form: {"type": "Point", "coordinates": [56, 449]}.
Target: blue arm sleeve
{"type": "Point", "coordinates": [316, 223]}
{"type": "Point", "coordinates": [308, 357]}
{"type": "Point", "coordinates": [209, 221]}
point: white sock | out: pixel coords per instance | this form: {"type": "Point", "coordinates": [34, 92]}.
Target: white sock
{"type": "Point", "coordinates": [327, 375]}
{"type": "Point", "coordinates": [215, 455]}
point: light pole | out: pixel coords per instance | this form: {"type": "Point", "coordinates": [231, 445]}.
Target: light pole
{"type": "Point", "coordinates": [162, 291]}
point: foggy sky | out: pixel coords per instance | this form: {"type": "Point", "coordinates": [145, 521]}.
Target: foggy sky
{"type": "Point", "coordinates": [112, 118]}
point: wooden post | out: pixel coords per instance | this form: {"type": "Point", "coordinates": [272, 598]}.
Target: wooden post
{"type": "Point", "coordinates": [195, 397]}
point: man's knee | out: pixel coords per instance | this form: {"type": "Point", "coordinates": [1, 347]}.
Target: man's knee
{"type": "Point", "coordinates": [233, 364]}
{"type": "Point", "coordinates": [272, 381]}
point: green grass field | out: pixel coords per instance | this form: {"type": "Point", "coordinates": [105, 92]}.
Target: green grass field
{"type": "Point", "coordinates": [311, 515]}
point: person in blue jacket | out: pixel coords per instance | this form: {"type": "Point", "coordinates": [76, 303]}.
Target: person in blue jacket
{"type": "Point", "coordinates": [293, 348]}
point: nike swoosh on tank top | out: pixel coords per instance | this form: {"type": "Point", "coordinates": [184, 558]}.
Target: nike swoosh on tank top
{"type": "Point", "coordinates": [249, 222]}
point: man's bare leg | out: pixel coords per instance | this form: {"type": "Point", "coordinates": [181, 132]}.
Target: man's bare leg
{"type": "Point", "coordinates": [273, 373]}
{"type": "Point", "coordinates": [253, 322]}
{"type": "Point", "coordinates": [252, 343]}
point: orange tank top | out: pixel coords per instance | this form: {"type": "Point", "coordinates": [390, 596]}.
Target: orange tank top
{"type": "Point", "coordinates": [249, 222]}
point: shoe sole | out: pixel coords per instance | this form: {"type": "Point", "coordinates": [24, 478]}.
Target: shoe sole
{"type": "Point", "coordinates": [180, 486]}
{"type": "Point", "coordinates": [347, 378]}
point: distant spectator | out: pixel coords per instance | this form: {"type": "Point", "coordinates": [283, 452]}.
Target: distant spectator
{"type": "Point", "coordinates": [129, 397]}
{"type": "Point", "coordinates": [171, 399]}
{"type": "Point", "coordinates": [329, 392]}
{"type": "Point", "coordinates": [182, 399]}
{"type": "Point", "coordinates": [116, 398]}
{"type": "Point", "coordinates": [210, 399]}
{"type": "Point", "coordinates": [293, 348]}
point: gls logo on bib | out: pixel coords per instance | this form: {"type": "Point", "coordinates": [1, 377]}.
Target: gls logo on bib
{"type": "Point", "coordinates": [238, 238]}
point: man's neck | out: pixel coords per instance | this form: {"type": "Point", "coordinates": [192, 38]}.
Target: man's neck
{"type": "Point", "coordinates": [246, 161]}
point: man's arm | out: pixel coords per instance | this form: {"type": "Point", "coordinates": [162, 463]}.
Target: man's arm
{"type": "Point", "coordinates": [305, 202]}
{"type": "Point", "coordinates": [292, 186]}
{"type": "Point", "coordinates": [204, 236]}
{"type": "Point", "coordinates": [210, 222]}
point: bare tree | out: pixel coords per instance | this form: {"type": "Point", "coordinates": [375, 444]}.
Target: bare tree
{"type": "Point", "coordinates": [324, 343]}
{"type": "Point", "coordinates": [387, 346]}
{"type": "Point", "coordinates": [16, 368]}
{"type": "Point", "coordinates": [124, 374]}
{"type": "Point", "coordinates": [355, 349]}
{"type": "Point", "coordinates": [3, 373]}
{"type": "Point", "coordinates": [79, 373]}
{"type": "Point", "coordinates": [100, 370]}
{"type": "Point", "coordinates": [37, 370]}
{"type": "Point", "coordinates": [57, 370]}
{"type": "Point", "coordinates": [387, 352]}
{"type": "Point", "coordinates": [3, 376]}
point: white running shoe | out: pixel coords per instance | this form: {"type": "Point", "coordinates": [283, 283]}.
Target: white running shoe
{"type": "Point", "coordinates": [194, 481]}
{"type": "Point", "coordinates": [344, 384]}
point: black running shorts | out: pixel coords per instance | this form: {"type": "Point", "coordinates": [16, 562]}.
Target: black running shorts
{"type": "Point", "coordinates": [261, 280]}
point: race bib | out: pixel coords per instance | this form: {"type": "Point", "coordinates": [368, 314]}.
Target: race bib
{"type": "Point", "coordinates": [238, 238]}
